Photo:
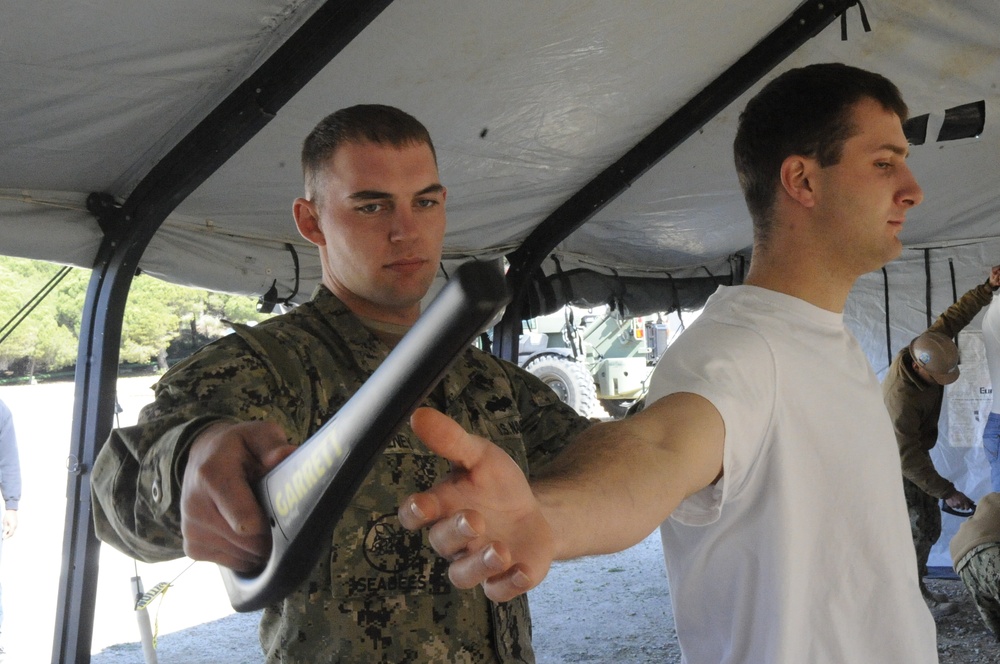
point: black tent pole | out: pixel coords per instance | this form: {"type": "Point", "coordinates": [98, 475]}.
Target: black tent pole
{"type": "Point", "coordinates": [128, 228]}
{"type": "Point", "coordinates": [807, 21]}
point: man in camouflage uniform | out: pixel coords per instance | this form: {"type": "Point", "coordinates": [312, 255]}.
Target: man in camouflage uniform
{"type": "Point", "coordinates": [913, 390]}
{"type": "Point", "coordinates": [975, 552]}
{"type": "Point", "coordinates": [180, 480]}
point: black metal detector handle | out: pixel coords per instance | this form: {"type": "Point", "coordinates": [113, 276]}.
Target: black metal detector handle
{"type": "Point", "coordinates": [305, 495]}
{"type": "Point", "coordinates": [945, 507]}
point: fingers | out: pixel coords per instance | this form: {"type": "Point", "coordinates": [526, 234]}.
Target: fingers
{"type": "Point", "coordinates": [483, 516]}
{"type": "Point", "coordinates": [266, 442]}
{"type": "Point", "coordinates": [492, 569]}
{"type": "Point", "coordinates": [506, 587]}
{"type": "Point", "coordinates": [477, 561]}
{"type": "Point", "coordinates": [216, 487]}
{"type": "Point", "coordinates": [419, 510]}
{"type": "Point", "coordinates": [272, 458]}
{"type": "Point", "coordinates": [239, 554]}
{"type": "Point", "coordinates": [237, 505]}
{"type": "Point", "coordinates": [455, 536]}
{"type": "Point", "coordinates": [446, 438]}
{"type": "Point", "coordinates": [959, 501]}
{"type": "Point", "coordinates": [9, 523]}
{"type": "Point", "coordinates": [491, 562]}
{"type": "Point", "coordinates": [489, 565]}
{"type": "Point", "coordinates": [474, 560]}
{"type": "Point", "coordinates": [221, 520]}
{"type": "Point", "coordinates": [226, 526]}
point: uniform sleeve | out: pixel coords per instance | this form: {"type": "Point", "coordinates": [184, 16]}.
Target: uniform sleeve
{"type": "Point", "coordinates": [957, 316]}
{"type": "Point", "coordinates": [135, 487]}
{"type": "Point", "coordinates": [136, 481]}
{"type": "Point", "coordinates": [912, 426]}
{"type": "Point", "coordinates": [547, 424]}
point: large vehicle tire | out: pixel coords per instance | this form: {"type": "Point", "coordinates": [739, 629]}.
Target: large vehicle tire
{"type": "Point", "coordinates": [570, 380]}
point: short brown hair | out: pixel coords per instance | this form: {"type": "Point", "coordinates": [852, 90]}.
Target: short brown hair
{"type": "Point", "coordinates": [805, 111]}
{"type": "Point", "coordinates": [374, 123]}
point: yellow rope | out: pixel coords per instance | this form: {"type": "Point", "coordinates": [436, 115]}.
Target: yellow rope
{"type": "Point", "coordinates": [159, 590]}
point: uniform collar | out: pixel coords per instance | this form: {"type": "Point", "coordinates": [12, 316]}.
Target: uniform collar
{"type": "Point", "coordinates": [371, 349]}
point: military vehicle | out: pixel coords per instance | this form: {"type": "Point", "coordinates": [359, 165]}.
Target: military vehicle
{"type": "Point", "coordinates": [596, 360]}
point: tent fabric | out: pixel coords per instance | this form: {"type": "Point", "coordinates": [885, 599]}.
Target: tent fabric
{"type": "Point", "coordinates": [528, 101]}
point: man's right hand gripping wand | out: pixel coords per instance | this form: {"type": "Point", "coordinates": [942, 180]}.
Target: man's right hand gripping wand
{"type": "Point", "coordinates": [305, 495]}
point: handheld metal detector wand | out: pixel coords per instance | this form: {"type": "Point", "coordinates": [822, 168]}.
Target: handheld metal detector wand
{"type": "Point", "coordinates": [306, 494]}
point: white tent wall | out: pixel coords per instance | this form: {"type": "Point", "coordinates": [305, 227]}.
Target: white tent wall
{"type": "Point", "coordinates": [944, 272]}
{"type": "Point", "coordinates": [48, 225]}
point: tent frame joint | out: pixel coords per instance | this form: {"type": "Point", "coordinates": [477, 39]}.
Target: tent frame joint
{"type": "Point", "coordinates": [108, 213]}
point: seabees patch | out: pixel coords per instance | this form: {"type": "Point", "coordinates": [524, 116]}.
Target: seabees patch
{"type": "Point", "coordinates": [395, 563]}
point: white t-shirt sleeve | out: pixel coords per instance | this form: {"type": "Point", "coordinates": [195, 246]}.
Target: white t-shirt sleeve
{"type": "Point", "coordinates": [733, 369]}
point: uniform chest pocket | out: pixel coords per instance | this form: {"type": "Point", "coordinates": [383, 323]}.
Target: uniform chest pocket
{"type": "Point", "coordinates": [505, 433]}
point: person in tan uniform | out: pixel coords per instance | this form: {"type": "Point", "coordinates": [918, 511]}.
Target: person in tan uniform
{"type": "Point", "coordinates": [913, 390]}
{"type": "Point", "coordinates": [180, 481]}
{"type": "Point", "coordinates": [975, 553]}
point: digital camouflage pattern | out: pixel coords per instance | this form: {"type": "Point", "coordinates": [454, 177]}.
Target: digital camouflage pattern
{"type": "Point", "coordinates": [975, 554]}
{"type": "Point", "coordinates": [925, 525]}
{"type": "Point", "coordinates": [380, 593]}
{"type": "Point", "coordinates": [980, 571]}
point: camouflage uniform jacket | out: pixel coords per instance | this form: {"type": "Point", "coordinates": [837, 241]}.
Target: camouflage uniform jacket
{"type": "Point", "coordinates": [379, 593]}
{"type": "Point", "coordinates": [915, 407]}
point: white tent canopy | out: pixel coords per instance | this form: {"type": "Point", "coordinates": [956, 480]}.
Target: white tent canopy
{"type": "Point", "coordinates": [587, 141]}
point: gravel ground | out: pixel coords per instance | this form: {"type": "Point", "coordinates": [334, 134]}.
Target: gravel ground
{"type": "Point", "coordinates": [607, 609]}
{"type": "Point", "coordinates": [963, 637]}
{"type": "Point", "coordinates": [603, 609]}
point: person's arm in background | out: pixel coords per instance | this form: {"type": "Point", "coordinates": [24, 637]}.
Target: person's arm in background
{"type": "Point", "coordinates": [954, 319]}
{"type": "Point", "coordinates": [611, 487]}
{"type": "Point", "coordinates": [915, 460]}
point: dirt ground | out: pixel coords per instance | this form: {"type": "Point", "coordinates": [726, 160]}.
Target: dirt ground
{"type": "Point", "coordinates": [603, 609]}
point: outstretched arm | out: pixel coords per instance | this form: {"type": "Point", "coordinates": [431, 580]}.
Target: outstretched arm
{"type": "Point", "coordinates": [605, 492]}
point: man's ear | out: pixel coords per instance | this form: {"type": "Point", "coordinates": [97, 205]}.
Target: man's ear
{"type": "Point", "coordinates": [306, 216]}
{"type": "Point", "coordinates": [797, 179]}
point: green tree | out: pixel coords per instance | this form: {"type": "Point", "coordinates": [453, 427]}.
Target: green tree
{"type": "Point", "coordinates": [151, 320]}
{"type": "Point", "coordinates": [157, 315]}
{"type": "Point", "coordinates": [39, 341]}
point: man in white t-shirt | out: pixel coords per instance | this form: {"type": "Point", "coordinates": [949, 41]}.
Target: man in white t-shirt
{"type": "Point", "coordinates": [764, 453]}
